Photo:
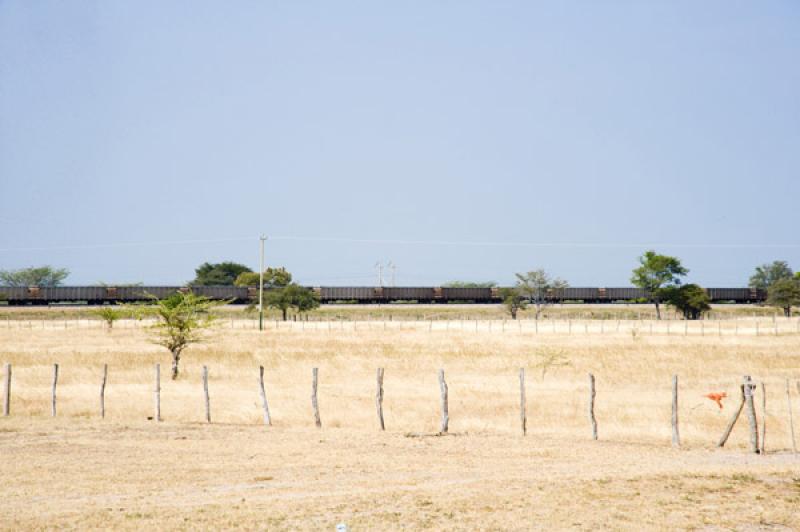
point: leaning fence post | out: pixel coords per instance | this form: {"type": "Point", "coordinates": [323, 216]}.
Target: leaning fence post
{"type": "Point", "coordinates": [763, 417]}
{"type": "Point", "coordinates": [676, 437]}
{"type": "Point", "coordinates": [379, 397]}
{"type": "Point", "coordinates": [103, 392]}
{"type": "Point", "coordinates": [791, 419]}
{"type": "Point", "coordinates": [522, 415]}
{"type": "Point", "coordinates": [53, 393]}
{"type": "Point", "coordinates": [157, 393]}
{"type": "Point", "coordinates": [264, 404]}
{"type": "Point", "coordinates": [751, 412]}
{"type": "Point", "coordinates": [443, 392]}
{"type": "Point", "coordinates": [205, 393]}
{"type": "Point", "coordinates": [314, 404]}
{"type": "Point", "coordinates": [7, 391]}
{"type": "Point", "coordinates": [732, 421]}
{"type": "Point", "coordinates": [591, 406]}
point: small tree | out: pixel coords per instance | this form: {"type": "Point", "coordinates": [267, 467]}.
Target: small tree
{"type": "Point", "coordinates": [767, 274]}
{"type": "Point", "coordinates": [513, 301]}
{"type": "Point", "coordinates": [221, 274]}
{"type": "Point", "coordinates": [690, 300]}
{"type": "Point", "coordinates": [272, 277]}
{"type": "Point", "coordinates": [43, 276]}
{"type": "Point", "coordinates": [108, 314]}
{"type": "Point", "coordinates": [180, 320]}
{"type": "Point", "coordinates": [657, 273]}
{"type": "Point", "coordinates": [292, 296]}
{"type": "Point", "coordinates": [785, 294]}
{"type": "Point", "coordinates": [537, 286]}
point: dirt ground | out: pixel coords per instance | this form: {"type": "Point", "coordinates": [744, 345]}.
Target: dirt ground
{"type": "Point", "coordinates": [78, 471]}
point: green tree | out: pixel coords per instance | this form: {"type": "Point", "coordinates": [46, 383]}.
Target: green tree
{"type": "Point", "coordinates": [538, 286]}
{"type": "Point", "coordinates": [785, 294]}
{"type": "Point", "coordinates": [180, 320]}
{"type": "Point", "coordinates": [470, 284]}
{"type": "Point", "coordinates": [513, 301]}
{"type": "Point", "coordinates": [767, 274]}
{"type": "Point", "coordinates": [108, 314]}
{"type": "Point", "coordinates": [657, 273]}
{"type": "Point", "coordinates": [273, 277]}
{"type": "Point", "coordinates": [292, 296]}
{"type": "Point", "coordinates": [690, 300]}
{"type": "Point", "coordinates": [43, 276]}
{"type": "Point", "coordinates": [220, 274]}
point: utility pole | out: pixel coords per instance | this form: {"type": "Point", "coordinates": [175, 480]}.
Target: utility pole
{"type": "Point", "coordinates": [392, 267]}
{"type": "Point", "coordinates": [262, 238]}
{"type": "Point", "coordinates": [379, 267]}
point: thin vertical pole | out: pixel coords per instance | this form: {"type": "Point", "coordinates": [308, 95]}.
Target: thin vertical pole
{"type": "Point", "coordinates": [592, 419]}
{"type": "Point", "coordinates": [751, 413]}
{"type": "Point", "coordinates": [53, 393]}
{"type": "Point", "coordinates": [676, 437]}
{"type": "Point", "coordinates": [314, 404]}
{"type": "Point", "coordinates": [445, 414]}
{"type": "Point", "coordinates": [157, 393]}
{"type": "Point", "coordinates": [7, 391]}
{"type": "Point", "coordinates": [379, 397]}
{"type": "Point", "coordinates": [205, 393]}
{"type": "Point", "coordinates": [103, 392]}
{"type": "Point", "coordinates": [264, 405]}
{"type": "Point", "coordinates": [522, 414]}
{"type": "Point", "coordinates": [791, 419]}
{"type": "Point", "coordinates": [763, 418]}
{"type": "Point", "coordinates": [261, 286]}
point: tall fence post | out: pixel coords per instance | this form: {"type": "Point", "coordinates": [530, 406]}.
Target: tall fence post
{"type": "Point", "coordinates": [752, 422]}
{"type": "Point", "coordinates": [523, 418]}
{"type": "Point", "coordinates": [103, 392]}
{"type": "Point", "coordinates": [763, 438]}
{"type": "Point", "coordinates": [592, 419]}
{"type": "Point", "coordinates": [205, 393]}
{"type": "Point", "coordinates": [445, 414]}
{"type": "Point", "coordinates": [53, 392]}
{"type": "Point", "coordinates": [379, 397]}
{"type": "Point", "coordinates": [157, 393]}
{"type": "Point", "coordinates": [314, 403]}
{"type": "Point", "coordinates": [791, 419]}
{"type": "Point", "coordinates": [263, 393]}
{"type": "Point", "coordinates": [676, 437]}
{"type": "Point", "coordinates": [7, 391]}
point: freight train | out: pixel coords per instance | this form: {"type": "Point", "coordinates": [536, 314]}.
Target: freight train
{"type": "Point", "coordinates": [100, 295]}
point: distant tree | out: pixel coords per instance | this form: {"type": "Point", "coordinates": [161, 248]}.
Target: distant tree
{"type": "Point", "coordinates": [220, 274]}
{"type": "Point", "coordinates": [785, 294]}
{"type": "Point", "coordinates": [535, 285]}
{"type": "Point", "coordinates": [292, 296]}
{"type": "Point", "coordinates": [180, 320]}
{"type": "Point", "coordinates": [690, 300]}
{"type": "Point", "coordinates": [43, 276]}
{"type": "Point", "coordinates": [513, 300]}
{"type": "Point", "coordinates": [273, 277]}
{"type": "Point", "coordinates": [766, 274]}
{"type": "Point", "coordinates": [657, 273]}
{"type": "Point", "coordinates": [470, 284]}
{"type": "Point", "coordinates": [108, 314]}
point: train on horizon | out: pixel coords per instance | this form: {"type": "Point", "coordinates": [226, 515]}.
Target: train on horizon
{"type": "Point", "coordinates": [101, 295]}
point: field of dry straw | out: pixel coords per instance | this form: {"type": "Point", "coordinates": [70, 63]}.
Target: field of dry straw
{"type": "Point", "coordinates": [125, 471]}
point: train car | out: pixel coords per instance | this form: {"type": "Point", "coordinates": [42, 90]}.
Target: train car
{"type": "Point", "coordinates": [360, 294]}
{"type": "Point", "coordinates": [478, 295]}
{"type": "Point", "coordinates": [625, 294]}
{"type": "Point", "coordinates": [13, 295]}
{"type": "Point", "coordinates": [587, 295]}
{"type": "Point", "coordinates": [408, 293]}
{"type": "Point", "coordinates": [234, 293]}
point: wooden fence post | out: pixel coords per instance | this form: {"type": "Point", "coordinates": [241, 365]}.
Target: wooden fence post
{"type": "Point", "coordinates": [53, 393]}
{"type": "Point", "coordinates": [157, 394]}
{"type": "Point", "coordinates": [749, 387]}
{"type": "Point", "coordinates": [443, 392]}
{"type": "Point", "coordinates": [592, 419]}
{"type": "Point", "coordinates": [522, 414]}
{"type": "Point", "coordinates": [103, 392]}
{"type": "Point", "coordinates": [763, 417]}
{"type": "Point", "coordinates": [205, 393]}
{"type": "Point", "coordinates": [314, 404]}
{"type": "Point", "coordinates": [732, 421]}
{"type": "Point", "coordinates": [791, 419]}
{"type": "Point", "coordinates": [676, 437]}
{"type": "Point", "coordinates": [379, 397]}
{"type": "Point", "coordinates": [7, 391]}
{"type": "Point", "coordinates": [264, 404]}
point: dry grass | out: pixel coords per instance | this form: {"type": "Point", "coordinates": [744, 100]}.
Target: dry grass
{"type": "Point", "coordinates": [79, 471]}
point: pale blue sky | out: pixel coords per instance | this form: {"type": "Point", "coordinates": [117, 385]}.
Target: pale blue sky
{"type": "Point", "coordinates": [616, 125]}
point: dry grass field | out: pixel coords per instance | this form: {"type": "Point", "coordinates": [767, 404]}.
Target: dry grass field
{"type": "Point", "coordinates": [78, 471]}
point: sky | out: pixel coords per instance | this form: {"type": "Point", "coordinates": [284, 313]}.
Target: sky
{"type": "Point", "coordinates": [459, 140]}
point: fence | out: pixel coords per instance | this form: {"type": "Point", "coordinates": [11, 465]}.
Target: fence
{"type": "Point", "coordinates": [747, 402]}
